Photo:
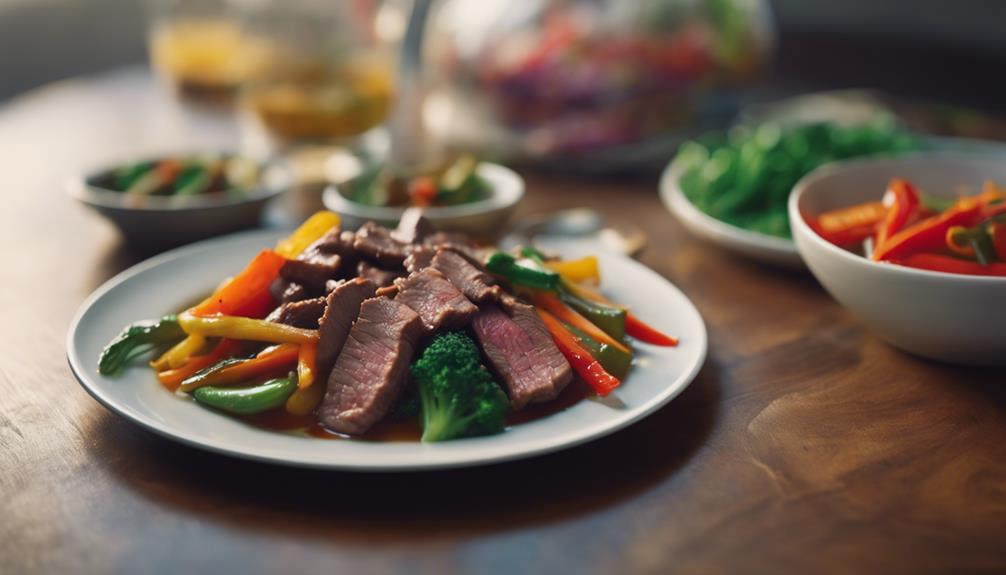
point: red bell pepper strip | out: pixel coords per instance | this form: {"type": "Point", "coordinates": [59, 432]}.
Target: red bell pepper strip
{"type": "Point", "coordinates": [998, 232]}
{"type": "Point", "coordinates": [929, 234]}
{"type": "Point", "coordinates": [172, 378]}
{"type": "Point", "coordinates": [588, 368]}
{"type": "Point", "coordinates": [902, 203]}
{"type": "Point", "coordinates": [635, 327]}
{"type": "Point", "coordinates": [951, 265]}
{"type": "Point", "coordinates": [246, 295]}
{"type": "Point", "coordinates": [848, 226]}
{"type": "Point", "coordinates": [556, 307]}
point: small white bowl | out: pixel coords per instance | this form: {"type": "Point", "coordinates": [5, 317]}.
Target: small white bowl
{"type": "Point", "coordinates": [948, 317]}
{"type": "Point", "coordinates": [762, 247]}
{"type": "Point", "coordinates": [165, 221]}
{"type": "Point", "coordinates": [484, 218]}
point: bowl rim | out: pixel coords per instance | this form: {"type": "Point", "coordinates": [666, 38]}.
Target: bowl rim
{"type": "Point", "coordinates": [80, 187]}
{"type": "Point", "coordinates": [799, 225]}
{"type": "Point", "coordinates": [507, 188]}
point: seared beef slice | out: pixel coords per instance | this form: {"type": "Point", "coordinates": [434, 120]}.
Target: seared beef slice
{"type": "Point", "coordinates": [304, 313]}
{"type": "Point", "coordinates": [373, 367]}
{"type": "Point", "coordinates": [439, 304]}
{"type": "Point", "coordinates": [522, 353]}
{"type": "Point", "coordinates": [340, 313]}
{"type": "Point", "coordinates": [318, 263]}
{"type": "Point", "coordinates": [473, 282]}
{"type": "Point", "coordinates": [375, 243]}
{"type": "Point", "coordinates": [382, 278]}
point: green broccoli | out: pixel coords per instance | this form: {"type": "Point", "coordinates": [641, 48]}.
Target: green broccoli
{"type": "Point", "coordinates": [459, 397]}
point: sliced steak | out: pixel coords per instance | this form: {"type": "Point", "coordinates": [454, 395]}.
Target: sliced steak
{"type": "Point", "coordinates": [372, 369]}
{"type": "Point", "coordinates": [383, 278]}
{"type": "Point", "coordinates": [476, 284]}
{"type": "Point", "coordinates": [419, 257]}
{"type": "Point", "coordinates": [321, 261]}
{"type": "Point", "coordinates": [304, 313]}
{"type": "Point", "coordinates": [459, 243]}
{"type": "Point", "coordinates": [375, 243]}
{"type": "Point", "coordinates": [284, 290]}
{"type": "Point", "coordinates": [413, 227]}
{"type": "Point", "coordinates": [343, 305]}
{"type": "Point", "coordinates": [522, 353]}
{"type": "Point", "coordinates": [439, 304]}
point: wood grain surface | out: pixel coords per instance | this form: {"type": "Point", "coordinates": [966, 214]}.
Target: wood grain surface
{"type": "Point", "coordinates": [805, 445]}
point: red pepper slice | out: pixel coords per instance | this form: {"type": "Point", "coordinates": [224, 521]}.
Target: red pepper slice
{"type": "Point", "coordinates": [998, 232]}
{"type": "Point", "coordinates": [588, 368]}
{"type": "Point", "coordinates": [172, 378]}
{"type": "Point", "coordinates": [635, 327]}
{"type": "Point", "coordinates": [903, 203]}
{"type": "Point", "coordinates": [947, 264]}
{"type": "Point", "coordinates": [246, 295]}
{"type": "Point", "coordinates": [849, 226]}
{"type": "Point", "coordinates": [929, 234]}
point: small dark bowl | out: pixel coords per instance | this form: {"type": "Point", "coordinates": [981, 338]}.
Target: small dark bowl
{"type": "Point", "coordinates": [157, 222]}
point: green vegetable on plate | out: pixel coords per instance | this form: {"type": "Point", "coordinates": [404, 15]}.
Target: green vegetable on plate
{"type": "Point", "coordinates": [248, 400]}
{"type": "Point", "coordinates": [138, 338]}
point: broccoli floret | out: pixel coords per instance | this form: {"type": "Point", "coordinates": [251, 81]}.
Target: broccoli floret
{"type": "Point", "coordinates": [459, 397]}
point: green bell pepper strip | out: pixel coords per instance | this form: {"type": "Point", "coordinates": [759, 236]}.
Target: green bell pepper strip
{"type": "Point", "coordinates": [138, 338]}
{"type": "Point", "coordinates": [248, 400]}
{"type": "Point", "coordinates": [613, 360]}
{"type": "Point", "coordinates": [505, 265]}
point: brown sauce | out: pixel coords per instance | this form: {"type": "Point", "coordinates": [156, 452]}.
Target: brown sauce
{"type": "Point", "coordinates": [408, 430]}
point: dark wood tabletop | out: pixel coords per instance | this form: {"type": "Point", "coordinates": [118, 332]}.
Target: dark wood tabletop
{"type": "Point", "coordinates": [805, 445]}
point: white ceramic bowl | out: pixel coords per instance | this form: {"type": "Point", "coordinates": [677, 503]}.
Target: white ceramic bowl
{"type": "Point", "coordinates": [762, 247]}
{"type": "Point", "coordinates": [483, 218]}
{"type": "Point", "coordinates": [166, 221]}
{"type": "Point", "coordinates": [948, 317]}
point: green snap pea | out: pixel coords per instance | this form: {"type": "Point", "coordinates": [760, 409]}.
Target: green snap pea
{"type": "Point", "coordinates": [138, 338]}
{"type": "Point", "coordinates": [248, 400]}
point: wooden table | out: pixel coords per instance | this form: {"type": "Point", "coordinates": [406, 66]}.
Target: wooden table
{"type": "Point", "coordinates": [805, 445]}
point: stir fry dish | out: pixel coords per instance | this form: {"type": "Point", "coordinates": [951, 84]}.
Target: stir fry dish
{"type": "Point", "coordinates": [451, 185]}
{"type": "Point", "coordinates": [744, 178]}
{"type": "Point", "coordinates": [962, 236]}
{"type": "Point", "coordinates": [348, 329]}
{"type": "Point", "coordinates": [184, 176]}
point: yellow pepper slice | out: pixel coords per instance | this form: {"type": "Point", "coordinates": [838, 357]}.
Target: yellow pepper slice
{"type": "Point", "coordinates": [243, 328]}
{"type": "Point", "coordinates": [305, 400]}
{"type": "Point", "coordinates": [179, 353]}
{"type": "Point", "coordinates": [583, 269]}
{"type": "Point", "coordinates": [308, 232]}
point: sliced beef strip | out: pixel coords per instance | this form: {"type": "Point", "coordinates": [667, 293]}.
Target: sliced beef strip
{"type": "Point", "coordinates": [522, 353]}
{"type": "Point", "coordinates": [476, 284]}
{"type": "Point", "coordinates": [372, 369]}
{"type": "Point", "coordinates": [304, 313]}
{"type": "Point", "coordinates": [343, 306]}
{"type": "Point", "coordinates": [284, 290]}
{"type": "Point", "coordinates": [439, 304]}
{"type": "Point", "coordinates": [321, 261]}
{"type": "Point", "coordinates": [375, 243]}
{"type": "Point", "coordinates": [383, 278]}
{"type": "Point", "coordinates": [412, 227]}
{"type": "Point", "coordinates": [419, 257]}
{"type": "Point", "coordinates": [458, 243]}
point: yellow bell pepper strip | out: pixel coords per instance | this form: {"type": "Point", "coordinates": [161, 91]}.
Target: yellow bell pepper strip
{"type": "Point", "coordinates": [952, 265]}
{"type": "Point", "coordinates": [179, 353]}
{"type": "Point", "coordinates": [310, 231]}
{"type": "Point", "coordinates": [248, 293]}
{"type": "Point", "coordinates": [305, 401]}
{"type": "Point", "coordinates": [929, 235]}
{"type": "Point", "coordinates": [306, 365]}
{"type": "Point", "coordinates": [138, 338]}
{"type": "Point", "coordinates": [902, 203]}
{"type": "Point", "coordinates": [235, 371]}
{"type": "Point", "coordinates": [172, 378]}
{"type": "Point", "coordinates": [581, 270]}
{"type": "Point", "coordinates": [583, 363]}
{"type": "Point", "coordinates": [557, 308]}
{"type": "Point", "coordinates": [247, 329]}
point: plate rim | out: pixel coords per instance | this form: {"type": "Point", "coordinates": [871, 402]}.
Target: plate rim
{"type": "Point", "coordinates": [77, 368]}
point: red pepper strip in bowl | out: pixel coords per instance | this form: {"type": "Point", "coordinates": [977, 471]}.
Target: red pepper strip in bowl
{"type": "Point", "coordinates": [849, 226]}
{"type": "Point", "coordinates": [172, 378]}
{"type": "Point", "coordinates": [952, 265]}
{"type": "Point", "coordinates": [588, 368]}
{"type": "Point", "coordinates": [902, 202]}
{"type": "Point", "coordinates": [634, 327]}
{"type": "Point", "coordinates": [930, 234]}
{"type": "Point", "coordinates": [246, 295]}
{"type": "Point", "coordinates": [230, 372]}
{"type": "Point", "coordinates": [998, 232]}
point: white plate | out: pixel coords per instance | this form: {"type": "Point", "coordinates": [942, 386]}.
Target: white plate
{"type": "Point", "coordinates": [762, 247]}
{"type": "Point", "coordinates": [175, 279]}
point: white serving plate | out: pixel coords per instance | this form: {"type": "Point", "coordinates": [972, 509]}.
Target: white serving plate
{"type": "Point", "coordinates": [176, 278]}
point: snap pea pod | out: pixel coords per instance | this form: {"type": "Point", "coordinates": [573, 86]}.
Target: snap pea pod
{"type": "Point", "coordinates": [137, 338]}
{"type": "Point", "coordinates": [504, 264]}
{"type": "Point", "coordinates": [248, 400]}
